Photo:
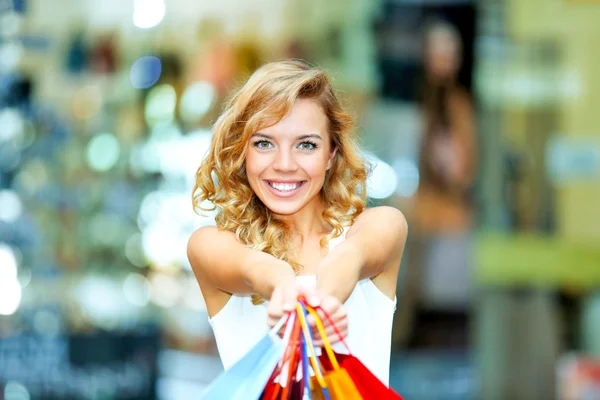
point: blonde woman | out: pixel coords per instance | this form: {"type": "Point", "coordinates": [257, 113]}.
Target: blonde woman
{"type": "Point", "coordinates": [288, 183]}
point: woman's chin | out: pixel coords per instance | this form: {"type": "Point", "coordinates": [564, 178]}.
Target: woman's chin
{"type": "Point", "coordinates": [287, 209]}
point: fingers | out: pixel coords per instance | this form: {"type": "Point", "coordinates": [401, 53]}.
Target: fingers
{"type": "Point", "coordinates": [275, 308]}
{"type": "Point", "coordinates": [335, 327]}
{"type": "Point", "coordinates": [290, 296]}
{"type": "Point", "coordinates": [310, 294]}
{"type": "Point", "coordinates": [283, 300]}
{"type": "Point", "coordinates": [332, 334]}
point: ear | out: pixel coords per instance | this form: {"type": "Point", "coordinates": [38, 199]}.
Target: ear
{"type": "Point", "coordinates": [332, 154]}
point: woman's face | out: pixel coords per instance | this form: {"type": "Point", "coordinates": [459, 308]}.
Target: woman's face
{"type": "Point", "coordinates": [442, 56]}
{"type": "Point", "coordinates": [286, 163]}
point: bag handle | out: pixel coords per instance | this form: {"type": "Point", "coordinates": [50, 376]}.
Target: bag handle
{"type": "Point", "coordinates": [282, 321]}
{"type": "Point", "coordinates": [301, 310]}
{"type": "Point", "coordinates": [292, 362]}
{"type": "Point", "coordinates": [305, 366]}
{"type": "Point", "coordinates": [326, 343]}
{"type": "Point", "coordinates": [335, 328]}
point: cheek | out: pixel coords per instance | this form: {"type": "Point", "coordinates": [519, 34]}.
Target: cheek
{"type": "Point", "coordinates": [317, 168]}
{"type": "Point", "coordinates": [253, 165]}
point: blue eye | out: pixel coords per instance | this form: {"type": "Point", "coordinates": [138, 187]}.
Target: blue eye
{"type": "Point", "coordinates": [307, 146]}
{"type": "Point", "coordinates": [262, 144]}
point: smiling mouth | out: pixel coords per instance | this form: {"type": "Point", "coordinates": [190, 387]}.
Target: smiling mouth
{"type": "Point", "coordinates": [285, 187]}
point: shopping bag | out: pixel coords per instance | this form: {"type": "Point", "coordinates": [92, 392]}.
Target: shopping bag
{"type": "Point", "coordinates": [247, 378]}
{"type": "Point", "coordinates": [316, 387]}
{"type": "Point", "coordinates": [369, 386]}
{"type": "Point", "coordinates": [337, 379]}
{"type": "Point", "coordinates": [283, 380]}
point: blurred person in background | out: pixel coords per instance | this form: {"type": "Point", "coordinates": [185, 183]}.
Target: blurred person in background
{"type": "Point", "coordinates": [288, 183]}
{"type": "Point", "coordinates": [437, 276]}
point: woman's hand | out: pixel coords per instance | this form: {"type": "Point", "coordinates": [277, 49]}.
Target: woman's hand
{"type": "Point", "coordinates": [283, 300]}
{"type": "Point", "coordinates": [332, 306]}
{"type": "Point", "coordinates": [285, 296]}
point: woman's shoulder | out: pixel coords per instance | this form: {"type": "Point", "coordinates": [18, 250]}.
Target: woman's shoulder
{"type": "Point", "coordinates": [209, 235]}
{"type": "Point", "coordinates": [208, 242]}
{"type": "Point", "coordinates": [390, 216]}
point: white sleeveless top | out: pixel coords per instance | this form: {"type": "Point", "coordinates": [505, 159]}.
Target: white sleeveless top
{"type": "Point", "coordinates": [240, 325]}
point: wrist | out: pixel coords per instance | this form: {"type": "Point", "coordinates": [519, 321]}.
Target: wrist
{"type": "Point", "coordinates": [338, 272]}
{"type": "Point", "coordinates": [264, 276]}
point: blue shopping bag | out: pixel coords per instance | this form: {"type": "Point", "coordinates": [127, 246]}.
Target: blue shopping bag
{"type": "Point", "coordinates": [247, 378]}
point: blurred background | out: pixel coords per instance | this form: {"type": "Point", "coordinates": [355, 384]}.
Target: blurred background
{"type": "Point", "coordinates": [480, 116]}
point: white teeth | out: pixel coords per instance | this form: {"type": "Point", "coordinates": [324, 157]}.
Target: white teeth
{"type": "Point", "coordinates": [285, 187]}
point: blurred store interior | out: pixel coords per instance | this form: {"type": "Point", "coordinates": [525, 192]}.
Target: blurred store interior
{"type": "Point", "coordinates": [106, 109]}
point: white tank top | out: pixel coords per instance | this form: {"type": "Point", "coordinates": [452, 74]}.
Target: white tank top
{"type": "Point", "coordinates": [240, 325]}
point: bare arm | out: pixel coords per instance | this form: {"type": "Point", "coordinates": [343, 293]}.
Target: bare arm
{"type": "Point", "coordinates": [373, 248]}
{"type": "Point", "coordinates": [222, 264]}
{"type": "Point", "coordinates": [464, 137]}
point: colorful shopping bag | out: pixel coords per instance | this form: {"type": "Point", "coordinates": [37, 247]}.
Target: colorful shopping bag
{"type": "Point", "coordinates": [369, 386]}
{"type": "Point", "coordinates": [337, 380]}
{"type": "Point", "coordinates": [316, 386]}
{"type": "Point", "coordinates": [247, 378]}
{"type": "Point", "coordinates": [283, 383]}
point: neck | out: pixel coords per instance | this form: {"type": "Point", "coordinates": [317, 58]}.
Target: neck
{"type": "Point", "coordinates": [308, 221]}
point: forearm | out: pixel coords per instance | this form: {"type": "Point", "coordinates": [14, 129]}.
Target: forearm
{"type": "Point", "coordinates": [339, 272]}
{"type": "Point", "coordinates": [264, 272]}
{"type": "Point", "coordinates": [374, 243]}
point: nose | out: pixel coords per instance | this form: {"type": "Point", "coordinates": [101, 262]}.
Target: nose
{"type": "Point", "coordinates": [285, 161]}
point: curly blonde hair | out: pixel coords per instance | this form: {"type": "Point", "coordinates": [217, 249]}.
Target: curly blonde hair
{"type": "Point", "coordinates": [264, 100]}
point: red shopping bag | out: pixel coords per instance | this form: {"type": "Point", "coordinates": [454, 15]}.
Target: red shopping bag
{"type": "Point", "coordinates": [368, 385]}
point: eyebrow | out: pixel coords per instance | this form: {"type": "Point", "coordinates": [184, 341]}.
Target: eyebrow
{"type": "Point", "coordinates": [301, 137]}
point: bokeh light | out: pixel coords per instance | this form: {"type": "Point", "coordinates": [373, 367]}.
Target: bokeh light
{"type": "Point", "coordinates": [9, 24]}
{"type": "Point", "coordinates": [166, 290]}
{"type": "Point", "coordinates": [383, 180]}
{"type": "Point", "coordinates": [150, 209]}
{"type": "Point", "coordinates": [148, 13]}
{"type": "Point", "coordinates": [145, 71]}
{"type": "Point", "coordinates": [103, 152]}
{"type": "Point", "coordinates": [196, 101]}
{"type": "Point", "coordinates": [10, 206]}
{"type": "Point", "coordinates": [8, 263]}
{"type": "Point", "coordinates": [11, 124]}
{"type": "Point", "coordinates": [10, 289]}
{"type": "Point", "coordinates": [32, 177]}
{"type": "Point", "coordinates": [193, 298]}
{"type": "Point", "coordinates": [174, 156]}
{"type": "Point", "coordinates": [10, 55]}
{"type": "Point", "coordinates": [134, 251]}
{"type": "Point", "coordinates": [165, 132]}
{"type": "Point", "coordinates": [46, 323]}
{"type": "Point", "coordinates": [107, 229]}
{"type": "Point", "coordinates": [408, 177]}
{"type": "Point", "coordinates": [15, 391]}
{"type": "Point", "coordinates": [137, 288]}
{"type": "Point", "coordinates": [160, 104]}
{"type": "Point", "coordinates": [163, 245]}
{"type": "Point", "coordinates": [106, 312]}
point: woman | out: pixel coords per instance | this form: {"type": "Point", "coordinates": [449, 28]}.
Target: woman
{"type": "Point", "coordinates": [437, 277]}
{"type": "Point", "coordinates": [289, 187]}
{"type": "Point", "coordinates": [448, 148]}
